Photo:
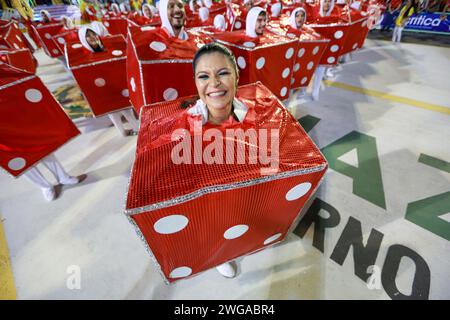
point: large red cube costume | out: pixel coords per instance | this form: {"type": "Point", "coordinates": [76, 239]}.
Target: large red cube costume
{"type": "Point", "coordinates": [65, 36]}
{"type": "Point", "coordinates": [310, 50]}
{"type": "Point", "coordinates": [116, 25]}
{"type": "Point", "coordinates": [32, 122]}
{"type": "Point", "coordinates": [19, 58]}
{"type": "Point", "coordinates": [101, 76]}
{"type": "Point", "coordinates": [45, 32]}
{"type": "Point", "coordinates": [358, 30]}
{"type": "Point", "coordinates": [193, 217]}
{"type": "Point", "coordinates": [268, 58]}
{"type": "Point", "coordinates": [159, 68]}
{"type": "Point", "coordinates": [11, 36]}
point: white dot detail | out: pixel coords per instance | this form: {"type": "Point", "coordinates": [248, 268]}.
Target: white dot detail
{"type": "Point", "coordinates": [315, 50]}
{"type": "Point", "coordinates": [100, 82]}
{"type": "Point", "coordinates": [310, 65]}
{"type": "Point", "coordinates": [238, 25]}
{"type": "Point", "coordinates": [125, 93]}
{"type": "Point", "coordinates": [260, 63]}
{"type": "Point", "coordinates": [338, 34]}
{"type": "Point", "coordinates": [158, 46]}
{"type": "Point", "coordinates": [55, 51]}
{"type": "Point", "coordinates": [334, 48]}
{"type": "Point", "coordinates": [170, 94]}
{"type": "Point", "coordinates": [106, 24]}
{"type": "Point", "coordinates": [117, 53]}
{"type": "Point", "coordinates": [76, 46]}
{"type": "Point", "coordinates": [296, 67]}
{"type": "Point", "coordinates": [47, 35]}
{"type": "Point", "coordinates": [298, 191]}
{"type": "Point", "coordinates": [180, 272]}
{"type": "Point", "coordinates": [283, 91]}
{"type": "Point", "coordinates": [235, 232]}
{"type": "Point", "coordinates": [301, 52]}
{"type": "Point", "coordinates": [241, 62]}
{"type": "Point", "coordinates": [272, 238]}
{"type": "Point", "coordinates": [249, 44]}
{"type": "Point", "coordinates": [33, 95]}
{"type": "Point", "coordinates": [133, 85]}
{"type": "Point", "coordinates": [171, 224]}
{"type": "Point", "coordinates": [286, 73]}
{"type": "Point", "coordinates": [304, 80]}
{"type": "Point", "coordinates": [331, 60]}
{"type": "Point", "coordinates": [17, 164]}
{"type": "Point", "coordinates": [61, 40]}
{"type": "Point", "coordinates": [289, 53]}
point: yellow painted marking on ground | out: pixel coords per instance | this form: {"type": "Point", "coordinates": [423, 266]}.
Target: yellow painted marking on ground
{"type": "Point", "coordinates": [391, 97]}
{"type": "Point", "coordinates": [7, 288]}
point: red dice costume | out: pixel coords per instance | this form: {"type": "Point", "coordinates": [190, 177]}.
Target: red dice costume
{"type": "Point", "coordinates": [193, 217]}
{"type": "Point", "coordinates": [19, 58]}
{"type": "Point", "coordinates": [32, 123]}
{"type": "Point", "coordinates": [310, 49]}
{"type": "Point", "coordinates": [46, 32]}
{"type": "Point", "coordinates": [268, 58]}
{"type": "Point", "coordinates": [101, 76]}
{"type": "Point", "coordinates": [158, 65]}
{"type": "Point", "coordinates": [11, 36]}
{"type": "Point", "coordinates": [332, 25]}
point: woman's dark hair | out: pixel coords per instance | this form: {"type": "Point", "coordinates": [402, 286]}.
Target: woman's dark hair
{"type": "Point", "coordinates": [213, 47]}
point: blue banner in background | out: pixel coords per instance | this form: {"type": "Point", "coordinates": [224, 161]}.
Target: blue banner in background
{"type": "Point", "coordinates": [431, 22]}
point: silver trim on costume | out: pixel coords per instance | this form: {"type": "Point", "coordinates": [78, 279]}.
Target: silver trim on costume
{"type": "Point", "coordinates": [221, 188]}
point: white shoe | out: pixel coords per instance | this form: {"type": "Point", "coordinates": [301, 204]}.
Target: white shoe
{"type": "Point", "coordinates": [70, 180]}
{"type": "Point", "coordinates": [227, 270]}
{"type": "Point", "coordinates": [49, 193]}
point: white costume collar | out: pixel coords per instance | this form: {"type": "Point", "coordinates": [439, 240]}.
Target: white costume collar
{"type": "Point", "coordinates": [200, 108]}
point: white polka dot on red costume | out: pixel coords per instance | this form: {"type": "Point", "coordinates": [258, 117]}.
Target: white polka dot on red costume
{"type": "Point", "coordinates": [296, 67]}
{"type": "Point", "coordinates": [331, 59]}
{"type": "Point", "coordinates": [286, 73]}
{"type": "Point", "coordinates": [106, 24]}
{"type": "Point", "coordinates": [334, 48]}
{"type": "Point", "coordinates": [33, 95]}
{"type": "Point", "coordinates": [238, 25]}
{"type": "Point", "coordinates": [47, 35]}
{"type": "Point", "coordinates": [291, 35]}
{"type": "Point", "coordinates": [76, 45]}
{"type": "Point", "coordinates": [298, 191]}
{"type": "Point", "coordinates": [100, 82]}
{"type": "Point", "coordinates": [304, 79]}
{"type": "Point", "coordinates": [17, 164]}
{"type": "Point", "coordinates": [117, 53]}
{"type": "Point", "coordinates": [283, 91]}
{"type": "Point", "coordinates": [170, 94]}
{"type": "Point", "coordinates": [272, 238]}
{"type": "Point", "coordinates": [158, 46]}
{"type": "Point", "coordinates": [289, 53]}
{"type": "Point", "coordinates": [338, 34]}
{"type": "Point", "coordinates": [249, 44]}
{"type": "Point", "coordinates": [241, 62]}
{"type": "Point", "coordinates": [310, 65]}
{"type": "Point", "coordinates": [171, 224]}
{"type": "Point", "coordinates": [61, 40]}
{"type": "Point", "coordinates": [133, 84]}
{"type": "Point", "coordinates": [301, 52]}
{"type": "Point", "coordinates": [55, 51]}
{"type": "Point", "coordinates": [260, 63]}
{"type": "Point", "coordinates": [235, 232]}
{"type": "Point", "coordinates": [180, 272]}
{"type": "Point", "coordinates": [125, 93]}
{"type": "Point", "coordinates": [315, 50]}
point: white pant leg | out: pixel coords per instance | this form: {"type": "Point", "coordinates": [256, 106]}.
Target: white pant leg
{"type": "Point", "coordinates": [35, 176]}
{"type": "Point", "coordinates": [318, 75]}
{"type": "Point", "coordinates": [399, 34]}
{"type": "Point", "coordinates": [129, 115]}
{"type": "Point", "coordinates": [115, 118]}
{"type": "Point", "coordinates": [55, 167]}
{"type": "Point", "coordinates": [394, 34]}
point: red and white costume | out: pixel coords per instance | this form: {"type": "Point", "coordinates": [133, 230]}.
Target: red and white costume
{"type": "Point", "coordinates": [196, 217]}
